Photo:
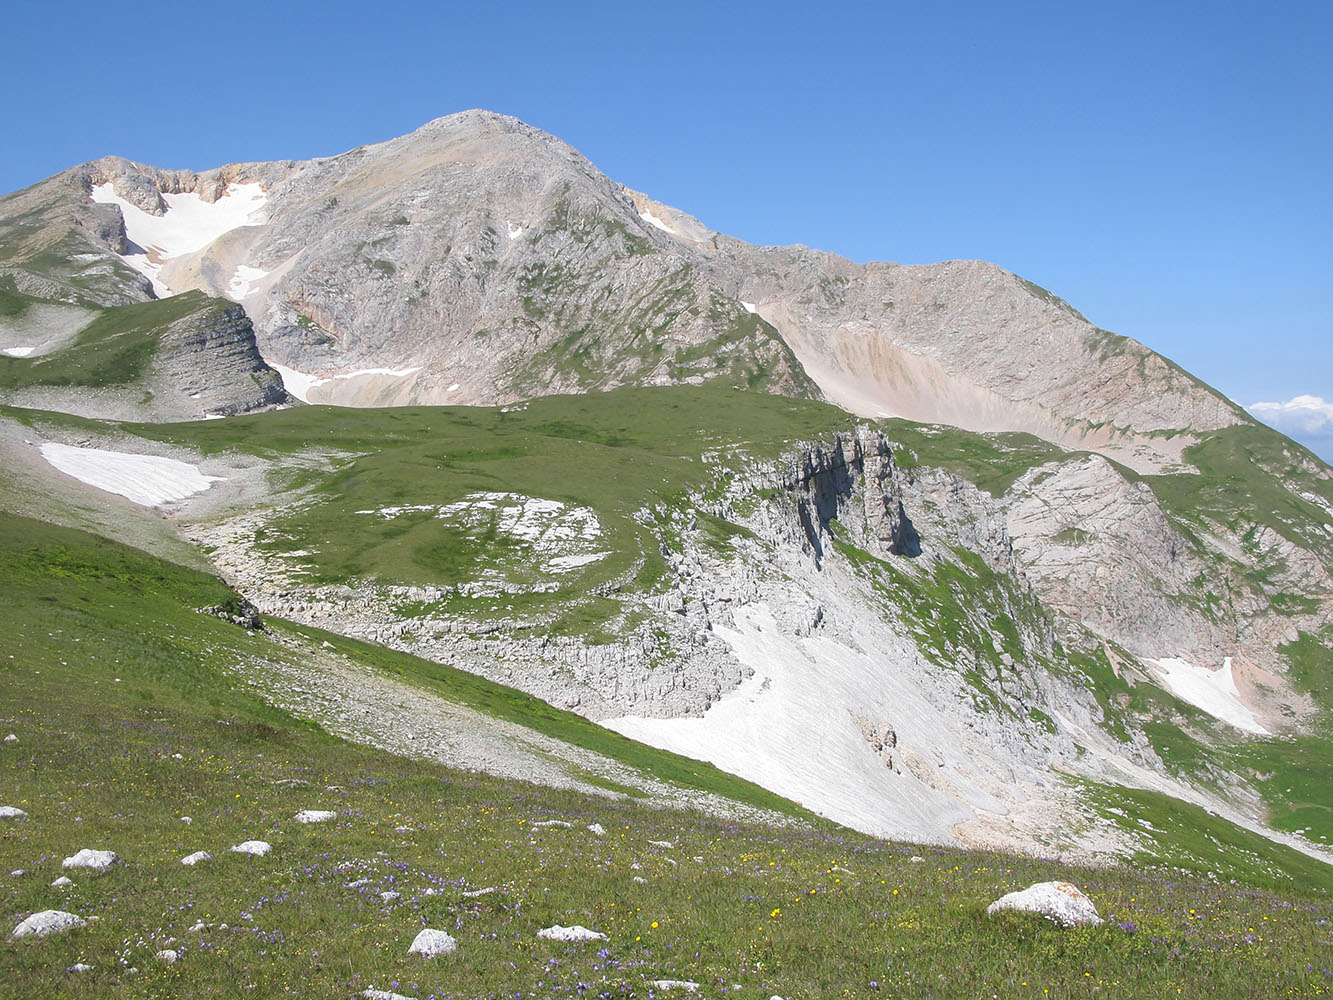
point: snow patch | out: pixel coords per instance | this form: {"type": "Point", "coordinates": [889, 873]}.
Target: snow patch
{"type": "Point", "coordinates": [19, 352]}
{"type": "Point", "coordinates": [148, 480]}
{"type": "Point", "coordinates": [652, 220]}
{"type": "Point", "coordinates": [1214, 691]}
{"type": "Point", "coordinates": [761, 731]}
{"type": "Point", "coordinates": [243, 281]}
{"type": "Point", "coordinates": [300, 383]}
{"type": "Point", "coordinates": [514, 231]}
{"type": "Point", "coordinates": [749, 307]}
{"type": "Point", "coordinates": [187, 226]}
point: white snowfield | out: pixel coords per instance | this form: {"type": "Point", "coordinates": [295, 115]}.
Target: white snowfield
{"type": "Point", "coordinates": [1214, 691]}
{"type": "Point", "coordinates": [187, 226]}
{"type": "Point", "coordinates": [143, 479]}
{"type": "Point", "coordinates": [762, 732]}
{"type": "Point", "coordinates": [300, 383]}
{"type": "Point", "coordinates": [653, 220]}
{"type": "Point", "coordinates": [1060, 902]}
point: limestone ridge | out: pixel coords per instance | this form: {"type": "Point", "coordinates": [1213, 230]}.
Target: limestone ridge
{"type": "Point", "coordinates": [822, 482]}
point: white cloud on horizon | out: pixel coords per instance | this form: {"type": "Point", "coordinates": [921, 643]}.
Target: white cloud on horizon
{"type": "Point", "coordinates": [1310, 414]}
{"type": "Point", "coordinates": [1308, 419]}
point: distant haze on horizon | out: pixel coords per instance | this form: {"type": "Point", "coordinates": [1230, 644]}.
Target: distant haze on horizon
{"type": "Point", "coordinates": [1164, 171]}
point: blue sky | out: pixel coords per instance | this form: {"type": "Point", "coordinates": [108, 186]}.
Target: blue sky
{"type": "Point", "coordinates": [1164, 167]}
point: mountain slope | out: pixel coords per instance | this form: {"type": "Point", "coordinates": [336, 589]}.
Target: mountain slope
{"type": "Point", "coordinates": [1102, 581]}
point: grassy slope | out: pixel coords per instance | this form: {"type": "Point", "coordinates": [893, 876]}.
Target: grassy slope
{"type": "Point", "coordinates": [113, 673]}
{"type": "Point", "coordinates": [113, 350]}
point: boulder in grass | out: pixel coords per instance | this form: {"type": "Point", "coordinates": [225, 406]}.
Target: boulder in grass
{"type": "Point", "coordinates": [575, 933]}
{"type": "Point", "coordinates": [98, 861]}
{"type": "Point", "coordinates": [167, 956]}
{"type": "Point", "coordinates": [48, 922]}
{"type": "Point", "coordinates": [256, 847]}
{"type": "Point", "coordinates": [12, 812]}
{"type": "Point", "coordinates": [431, 942]}
{"type": "Point", "coordinates": [61, 882]}
{"type": "Point", "coordinates": [382, 994]}
{"type": "Point", "coordinates": [191, 860]}
{"type": "Point", "coordinates": [1060, 902]}
{"type": "Point", "coordinates": [315, 816]}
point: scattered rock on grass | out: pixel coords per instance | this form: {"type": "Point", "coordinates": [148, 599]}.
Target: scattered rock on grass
{"type": "Point", "coordinates": [256, 847]}
{"type": "Point", "coordinates": [193, 859]}
{"type": "Point", "coordinates": [80, 967]}
{"type": "Point", "coordinates": [1059, 902]}
{"type": "Point", "coordinates": [575, 933]}
{"type": "Point", "coordinates": [11, 738]}
{"type": "Point", "coordinates": [48, 922]}
{"type": "Point", "coordinates": [382, 994]}
{"type": "Point", "coordinates": [675, 984]}
{"type": "Point", "coordinates": [12, 812]}
{"type": "Point", "coordinates": [61, 882]}
{"type": "Point", "coordinates": [597, 828]}
{"type": "Point", "coordinates": [552, 822]}
{"type": "Point", "coordinates": [431, 942]}
{"type": "Point", "coordinates": [315, 816]}
{"type": "Point", "coordinates": [98, 861]}
{"type": "Point", "coordinates": [167, 955]}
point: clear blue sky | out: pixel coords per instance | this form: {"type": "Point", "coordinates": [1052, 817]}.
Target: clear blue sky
{"type": "Point", "coordinates": [1167, 168]}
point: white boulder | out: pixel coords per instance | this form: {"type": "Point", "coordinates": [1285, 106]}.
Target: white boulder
{"type": "Point", "coordinates": [1060, 902]}
{"type": "Point", "coordinates": [383, 994]}
{"type": "Point", "coordinates": [597, 828]}
{"type": "Point", "coordinates": [431, 942]}
{"type": "Point", "coordinates": [193, 859]}
{"type": "Point", "coordinates": [98, 861]}
{"type": "Point", "coordinates": [575, 933]}
{"type": "Point", "coordinates": [315, 816]}
{"type": "Point", "coordinates": [61, 882]}
{"type": "Point", "coordinates": [256, 847]}
{"type": "Point", "coordinates": [167, 955]}
{"type": "Point", "coordinates": [11, 812]}
{"type": "Point", "coordinates": [48, 922]}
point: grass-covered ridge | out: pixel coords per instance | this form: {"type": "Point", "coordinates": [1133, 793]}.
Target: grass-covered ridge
{"type": "Point", "coordinates": [126, 724]}
{"type": "Point", "coordinates": [115, 349]}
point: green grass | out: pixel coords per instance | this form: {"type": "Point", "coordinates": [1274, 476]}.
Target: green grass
{"type": "Point", "coordinates": [1249, 475]}
{"type": "Point", "coordinates": [990, 461]}
{"type": "Point", "coordinates": [1180, 837]}
{"type": "Point", "coordinates": [113, 674]}
{"type": "Point", "coordinates": [115, 349]}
